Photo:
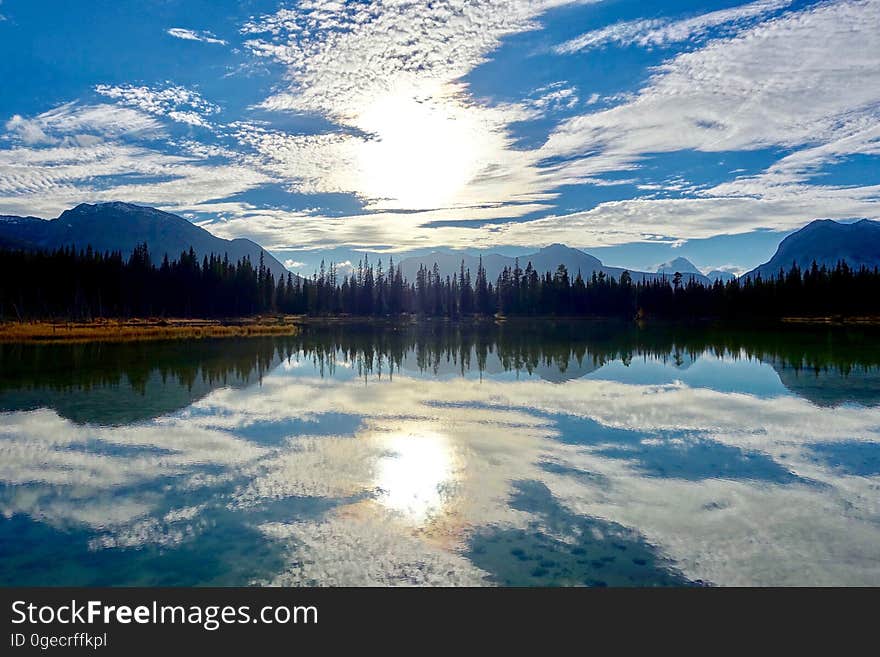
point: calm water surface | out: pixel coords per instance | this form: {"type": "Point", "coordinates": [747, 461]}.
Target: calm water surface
{"type": "Point", "coordinates": [558, 454]}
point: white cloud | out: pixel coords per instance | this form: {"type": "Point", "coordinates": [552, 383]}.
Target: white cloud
{"type": "Point", "coordinates": [552, 97]}
{"type": "Point", "coordinates": [736, 270]}
{"type": "Point", "coordinates": [29, 132]}
{"type": "Point", "coordinates": [805, 81]}
{"type": "Point", "coordinates": [671, 220]}
{"type": "Point", "coordinates": [76, 153]}
{"type": "Point", "coordinates": [795, 176]}
{"type": "Point", "coordinates": [610, 223]}
{"type": "Point", "coordinates": [415, 155]}
{"type": "Point", "coordinates": [805, 78]}
{"type": "Point", "coordinates": [756, 90]}
{"type": "Point", "coordinates": [620, 33]}
{"type": "Point", "coordinates": [342, 56]}
{"type": "Point", "coordinates": [75, 123]}
{"type": "Point", "coordinates": [390, 73]}
{"type": "Point", "coordinates": [392, 231]}
{"type": "Point", "coordinates": [177, 103]}
{"type": "Point", "coordinates": [659, 32]}
{"type": "Point", "coordinates": [344, 267]}
{"type": "Point", "coordinates": [192, 35]}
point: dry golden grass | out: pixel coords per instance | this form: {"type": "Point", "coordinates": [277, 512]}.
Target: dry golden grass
{"type": "Point", "coordinates": [836, 319]}
{"type": "Point", "coordinates": [125, 330]}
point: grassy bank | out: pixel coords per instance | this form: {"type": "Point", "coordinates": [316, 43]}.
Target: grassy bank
{"type": "Point", "coordinates": [129, 330]}
{"type": "Point", "coordinates": [871, 320]}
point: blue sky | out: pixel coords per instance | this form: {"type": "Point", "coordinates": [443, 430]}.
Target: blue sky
{"type": "Point", "coordinates": [636, 131]}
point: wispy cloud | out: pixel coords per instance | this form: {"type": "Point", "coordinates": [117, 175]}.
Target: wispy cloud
{"type": "Point", "coordinates": [670, 220]}
{"type": "Point", "coordinates": [660, 32]}
{"type": "Point", "coordinates": [192, 35]}
{"type": "Point", "coordinates": [77, 153]}
{"type": "Point", "coordinates": [76, 123]}
{"type": "Point", "coordinates": [807, 82]}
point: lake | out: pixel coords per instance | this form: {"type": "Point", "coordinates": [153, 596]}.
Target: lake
{"type": "Point", "coordinates": [517, 454]}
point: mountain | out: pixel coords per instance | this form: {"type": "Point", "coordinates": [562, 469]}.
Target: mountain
{"type": "Point", "coordinates": [450, 262]}
{"type": "Point", "coordinates": [121, 227]}
{"type": "Point", "coordinates": [543, 260]}
{"type": "Point", "coordinates": [680, 265]}
{"type": "Point", "coordinates": [550, 257]}
{"type": "Point", "coordinates": [684, 267]}
{"type": "Point", "coordinates": [826, 242]}
{"type": "Point", "coordinates": [20, 232]}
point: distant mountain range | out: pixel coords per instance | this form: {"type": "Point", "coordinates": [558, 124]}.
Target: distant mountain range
{"type": "Point", "coordinates": [823, 241]}
{"type": "Point", "coordinates": [826, 242]}
{"type": "Point", "coordinates": [544, 260]}
{"type": "Point", "coordinates": [123, 226]}
{"type": "Point", "coordinates": [548, 259]}
{"type": "Point", "coordinates": [689, 271]}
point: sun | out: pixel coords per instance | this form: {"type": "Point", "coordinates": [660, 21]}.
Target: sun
{"type": "Point", "coordinates": [421, 153]}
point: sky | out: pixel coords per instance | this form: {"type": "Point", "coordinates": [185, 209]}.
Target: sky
{"type": "Point", "coordinates": [636, 131]}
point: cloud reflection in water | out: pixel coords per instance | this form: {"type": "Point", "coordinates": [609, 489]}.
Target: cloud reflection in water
{"type": "Point", "coordinates": [658, 475]}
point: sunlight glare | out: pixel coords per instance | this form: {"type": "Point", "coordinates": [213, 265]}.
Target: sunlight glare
{"type": "Point", "coordinates": [423, 152]}
{"type": "Point", "coordinates": [415, 476]}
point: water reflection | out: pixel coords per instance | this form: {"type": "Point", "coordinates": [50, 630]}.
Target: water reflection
{"type": "Point", "coordinates": [567, 454]}
{"type": "Point", "coordinates": [416, 475]}
{"type": "Point", "coordinates": [128, 382]}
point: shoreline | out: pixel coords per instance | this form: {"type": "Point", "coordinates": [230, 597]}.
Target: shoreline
{"type": "Point", "coordinates": [145, 329]}
{"type": "Point", "coordinates": [149, 329]}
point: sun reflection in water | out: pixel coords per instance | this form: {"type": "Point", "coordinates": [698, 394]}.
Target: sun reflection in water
{"type": "Point", "coordinates": [416, 475]}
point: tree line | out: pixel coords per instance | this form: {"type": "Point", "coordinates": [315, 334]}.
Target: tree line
{"type": "Point", "coordinates": [84, 284]}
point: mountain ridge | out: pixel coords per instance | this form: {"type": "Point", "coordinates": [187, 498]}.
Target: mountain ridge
{"type": "Point", "coordinates": [825, 242]}
{"type": "Point", "coordinates": [117, 226]}
{"type": "Point", "coordinates": [545, 259]}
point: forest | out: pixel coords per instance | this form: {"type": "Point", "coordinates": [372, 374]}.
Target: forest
{"type": "Point", "coordinates": [84, 284]}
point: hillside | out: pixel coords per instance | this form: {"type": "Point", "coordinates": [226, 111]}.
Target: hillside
{"type": "Point", "coordinates": [826, 242]}
{"type": "Point", "coordinates": [121, 227]}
